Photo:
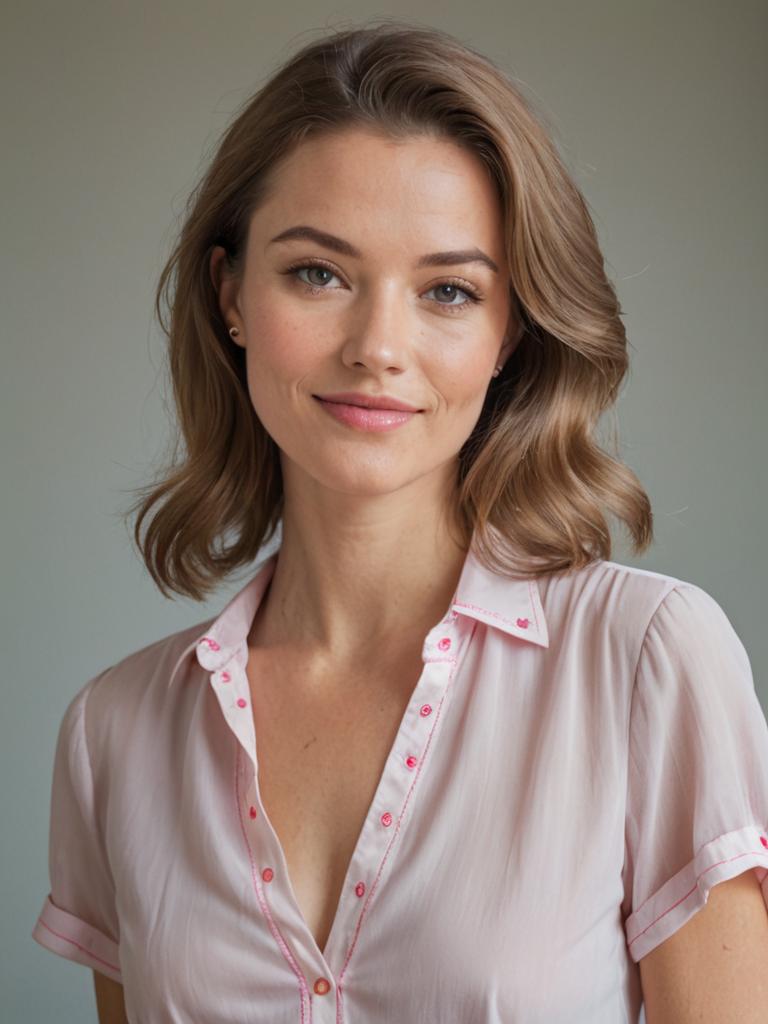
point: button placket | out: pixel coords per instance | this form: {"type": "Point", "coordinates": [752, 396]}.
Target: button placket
{"type": "Point", "coordinates": [417, 726]}
{"type": "Point", "coordinates": [230, 684]}
{"type": "Point", "coordinates": [440, 640]}
{"type": "Point", "coordinates": [425, 710]}
{"type": "Point", "coordinates": [416, 729]}
{"type": "Point", "coordinates": [211, 655]}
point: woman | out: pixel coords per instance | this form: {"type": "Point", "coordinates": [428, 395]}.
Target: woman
{"type": "Point", "coordinates": [439, 759]}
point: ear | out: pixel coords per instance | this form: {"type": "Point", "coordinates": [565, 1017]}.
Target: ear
{"type": "Point", "coordinates": [511, 341]}
{"type": "Point", "coordinates": [227, 287]}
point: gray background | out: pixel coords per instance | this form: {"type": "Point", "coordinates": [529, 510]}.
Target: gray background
{"type": "Point", "coordinates": [110, 112]}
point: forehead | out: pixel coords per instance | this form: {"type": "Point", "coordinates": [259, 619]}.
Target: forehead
{"type": "Point", "coordinates": [404, 189]}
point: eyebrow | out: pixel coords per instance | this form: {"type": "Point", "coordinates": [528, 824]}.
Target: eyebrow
{"type": "Point", "coordinates": [451, 257]}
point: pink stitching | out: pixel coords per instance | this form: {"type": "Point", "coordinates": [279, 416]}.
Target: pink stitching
{"type": "Point", "coordinates": [533, 604]}
{"type": "Point", "coordinates": [708, 843]}
{"type": "Point", "coordinates": [420, 765]}
{"type": "Point", "coordinates": [682, 899]}
{"type": "Point", "coordinates": [93, 956]}
{"type": "Point", "coordinates": [494, 615]}
{"type": "Point", "coordinates": [260, 895]}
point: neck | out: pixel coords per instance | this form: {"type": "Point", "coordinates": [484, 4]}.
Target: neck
{"type": "Point", "coordinates": [346, 597]}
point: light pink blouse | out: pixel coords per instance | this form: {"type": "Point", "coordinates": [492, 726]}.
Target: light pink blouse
{"type": "Point", "coordinates": [582, 759]}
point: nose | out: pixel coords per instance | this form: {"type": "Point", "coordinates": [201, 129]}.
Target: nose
{"type": "Point", "coordinates": [381, 330]}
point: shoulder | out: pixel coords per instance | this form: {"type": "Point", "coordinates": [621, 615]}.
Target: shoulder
{"type": "Point", "coordinates": [669, 609]}
{"type": "Point", "coordinates": [621, 605]}
{"type": "Point", "coordinates": [609, 591]}
{"type": "Point", "coordinates": [151, 664]}
{"type": "Point", "coordinates": [134, 688]}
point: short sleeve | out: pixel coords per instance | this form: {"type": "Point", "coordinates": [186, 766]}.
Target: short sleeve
{"type": "Point", "coordinates": [78, 919]}
{"type": "Point", "coordinates": [697, 782]}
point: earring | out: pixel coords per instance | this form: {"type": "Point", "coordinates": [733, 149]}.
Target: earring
{"type": "Point", "coordinates": [233, 331]}
{"type": "Point", "coordinates": [496, 372]}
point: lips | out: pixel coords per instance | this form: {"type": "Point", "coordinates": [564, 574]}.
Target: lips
{"type": "Point", "coordinates": [356, 398]}
{"type": "Point", "coordinates": [364, 418]}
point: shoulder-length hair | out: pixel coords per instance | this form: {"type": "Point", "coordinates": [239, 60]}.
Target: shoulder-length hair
{"type": "Point", "coordinates": [533, 483]}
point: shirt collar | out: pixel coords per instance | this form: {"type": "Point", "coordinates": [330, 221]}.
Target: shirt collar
{"type": "Point", "coordinates": [510, 604]}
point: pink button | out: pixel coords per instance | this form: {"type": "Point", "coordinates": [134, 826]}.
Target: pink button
{"type": "Point", "coordinates": [523, 623]}
{"type": "Point", "coordinates": [322, 985]}
{"type": "Point", "coordinates": [241, 703]}
{"type": "Point", "coordinates": [411, 761]}
{"type": "Point", "coordinates": [360, 889]}
{"type": "Point", "coordinates": [445, 643]}
{"type": "Point", "coordinates": [225, 677]}
{"type": "Point", "coordinates": [252, 811]}
{"type": "Point", "coordinates": [426, 709]}
{"type": "Point", "coordinates": [267, 874]}
{"type": "Point", "coordinates": [212, 644]}
{"type": "Point", "coordinates": [386, 819]}
{"type": "Point", "coordinates": [764, 841]}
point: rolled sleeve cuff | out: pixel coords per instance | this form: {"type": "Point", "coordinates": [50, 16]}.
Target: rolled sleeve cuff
{"type": "Point", "coordinates": [686, 892]}
{"type": "Point", "coordinates": [76, 940]}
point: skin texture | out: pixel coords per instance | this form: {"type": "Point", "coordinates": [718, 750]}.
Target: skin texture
{"type": "Point", "coordinates": [110, 1004]}
{"type": "Point", "coordinates": [365, 513]}
{"type": "Point", "coordinates": [713, 969]}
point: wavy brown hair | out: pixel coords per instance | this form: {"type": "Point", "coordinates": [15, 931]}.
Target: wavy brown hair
{"type": "Point", "coordinates": [533, 483]}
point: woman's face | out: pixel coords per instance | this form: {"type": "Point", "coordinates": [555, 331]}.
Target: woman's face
{"type": "Point", "coordinates": [373, 314]}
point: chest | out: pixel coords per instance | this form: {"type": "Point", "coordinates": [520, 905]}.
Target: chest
{"type": "Point", "coordinates": [322, 745]}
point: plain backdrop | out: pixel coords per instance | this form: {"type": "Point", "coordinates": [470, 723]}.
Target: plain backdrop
{"type": "Point", "coordinates": [110, 111]}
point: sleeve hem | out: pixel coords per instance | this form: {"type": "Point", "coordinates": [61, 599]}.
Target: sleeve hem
{"type": "Point", "coordinates": [668, 909]}
{"type": "Point", "coordinates": [71, 937]}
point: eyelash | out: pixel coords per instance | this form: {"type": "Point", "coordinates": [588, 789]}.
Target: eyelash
{"type": "Point", "coordinates": [472, 294]}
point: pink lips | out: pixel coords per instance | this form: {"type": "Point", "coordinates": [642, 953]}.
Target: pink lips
{"type": "Point", "coordinates": [369, 401]}
{"type": "Point", "coordinates": [364, 418]}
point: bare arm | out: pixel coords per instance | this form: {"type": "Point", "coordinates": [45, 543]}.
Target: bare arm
{"type": "Point", "coordinates": [110, 1003]}
{"type": "Point", "coordinates": [712, 970]}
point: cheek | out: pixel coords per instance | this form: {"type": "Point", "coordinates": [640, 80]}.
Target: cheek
{"type": "Point", "coordinates": [280, 343]}
{"type": "Point", "coordinates": [462, 382]}
{"type": "Point", "coordinates": [282, 351]}
{"type": "Point", "coordinates": [460, 394]}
